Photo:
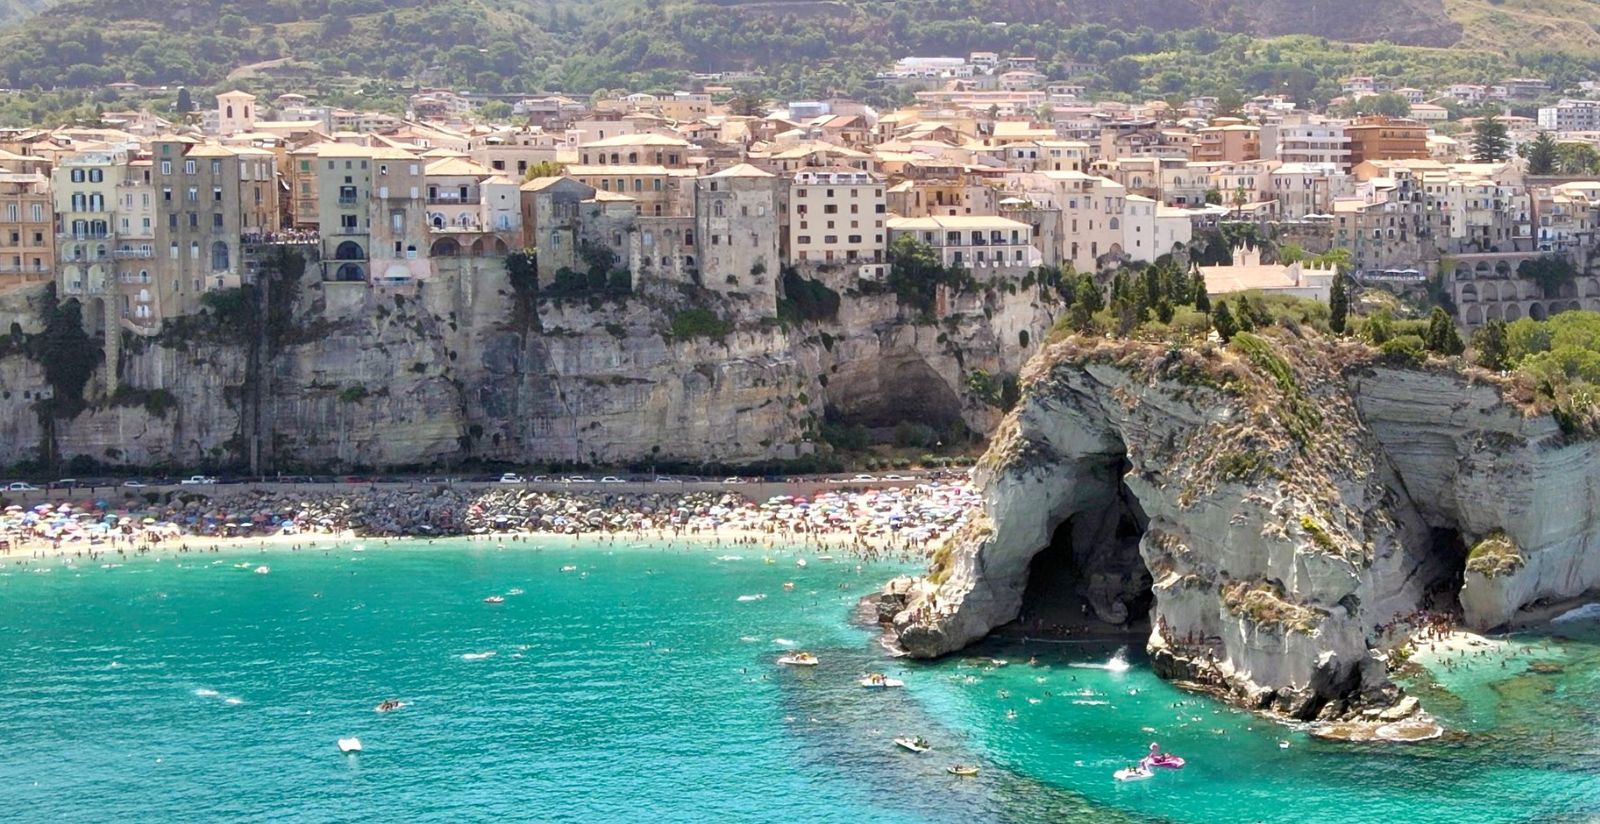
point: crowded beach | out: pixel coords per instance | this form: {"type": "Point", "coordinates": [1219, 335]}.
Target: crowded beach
{"type": "Point", "coordinates": [894, 521]}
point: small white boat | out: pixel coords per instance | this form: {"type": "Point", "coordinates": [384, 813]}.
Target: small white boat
{"type": "Point", "coordinates": [1133, 774]}
{"type": "Point", "coordinates": [569, 568]}
{"type": "Point", "coordinates": [877, 681]}
{"type": "Point", "coordinates": [801, 562]}
{"type": "Point", "coordinates": [263, 569]}
{"type": "Point", "coordinates": [964, 770]}
{"type": "Point", "coordinates": [1283, 745]}
{"type": "Point", "coordinates": [798, 659]}
{"type": "Point", "coordinates": [350, 745]}
{"type": "Point", "coordinates": [918, 744]}
{"type": "Point", "coordinates": [494, 599]}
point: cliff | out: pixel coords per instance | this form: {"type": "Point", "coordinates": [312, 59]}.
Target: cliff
{"type": "Point", "coordinates": [1273, 504]}
{"type": "Point", "coordinates": [461, 368]}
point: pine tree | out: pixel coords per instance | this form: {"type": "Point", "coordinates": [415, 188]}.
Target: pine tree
{"type": "Point", "coordinates": [1542, 155]}
{"type": "Point", "coordinates": [1222, 321]}
{"type": "Point", "coordinates": [1489, 141]}
{"type": "Point", "coordinates": [1088, 294]}
{"type": "Point", "coordinates": [185, 102]}
{"type": "Point", "coordinates": [1338, 305]}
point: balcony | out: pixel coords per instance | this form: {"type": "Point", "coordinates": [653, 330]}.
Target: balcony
{"type": "Point", "coordinates": [133, 254]}
{"type": "Point", "coordinates": [449, 198]}
{"type": "Point", "coordinates": [83, 235]}
{"type": "Point", "coordinates": [347, 200]}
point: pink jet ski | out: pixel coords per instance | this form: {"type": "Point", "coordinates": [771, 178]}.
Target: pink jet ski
{"type": "Point", "coordinates": [1157, 758]}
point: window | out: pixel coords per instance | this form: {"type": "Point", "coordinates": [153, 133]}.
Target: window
{"type": "Point", "coordinates": [830, 209]}
{"type": "Point", "coordinates": [854, 239]}
{"type": "Point", "coordinates": [194, 195]}
{"type": "Point", "coordinates": [216, 220]}
{"type": "Point", "coordinates": [194, 220]}
{"type": "Point", "coordinates": [194, 250]}
{"type": "Point", "coordinates": [347, 222]}
{"type": "Point", "coordinates": [188, 167]}
{"type": "Point", "coordinates": [216, 194]}
{"type": "Point", "coordinates": [216, 168]}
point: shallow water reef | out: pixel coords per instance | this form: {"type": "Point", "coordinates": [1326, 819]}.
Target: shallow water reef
{"type": "Point", "coordinates": [1272, 504]}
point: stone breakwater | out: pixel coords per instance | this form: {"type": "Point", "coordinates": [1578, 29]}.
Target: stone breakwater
{"type": "Point", "coordinates": [1275, 507]}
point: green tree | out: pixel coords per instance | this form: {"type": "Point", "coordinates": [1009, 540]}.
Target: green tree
{"type": "Point", "coordinates": [1577, 159]}
{"type": "Point", "coordinates": [1490, 144]}
{"type": "Point", "coordinates": [544, 168]}
{"type": "Point", "coordinates": [185, 102]}
{"type": "Point", "coordinates": [1222, 321]}
{"type": "Point", "coordinates": [1490, 345]}
{"type": "Point", "coordinates": [1379, 329]}
{"type": "Point", "coordinates": [1542, 155]}
{"type": "Point", "coordinates": [522, 268]}
{"type": "Point", "coordinates": [1338, 305]}
{"type": "Point", "coordinates": [1442, 336]}
{"type": "Point", "coordinates": [748, 105]}
{"type": "Point", "coordinates": [1197, 284]}
{"type": "Point", "coordinates": [1213, 196]}
{"type": "Point", "coordinates": [1243, 315]}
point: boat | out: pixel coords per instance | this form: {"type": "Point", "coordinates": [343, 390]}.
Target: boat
{"type": "Point", "coordinates": [263, 569]}
{"type": "Point", "coordinates": [1283, 745]}
{"type": "Point", "coordinates": [798, 659]}
{"type": "Point", "coordinates": [879, 681]}
{"type": "Point", "coordinates": [918, 744]}
{"type": "Point", "coordinates": [801, 562]}
{"type": "Point", "coordinates": [788, 586]}
{"type": "Point", "coordinates": [569, 568]}
{"type": "Point", "coordinates": [965, 770]}
{"type": "Point", "coordinates": [494, 599]}
{"type": "Point", "coordinates": [1166, 761]}
{"type": "Point", "coordinates": [389, 706]}
{"type": "Point", "coordinates": [1133, 774]}
{"type": "Point", "coordinates": [350, 745]}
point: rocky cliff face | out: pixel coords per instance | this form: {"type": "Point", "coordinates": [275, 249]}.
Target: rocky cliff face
{"type": "Point", "coordinates": [458, 368]}
{"type": "Point", "coordinates": [1275, 502]}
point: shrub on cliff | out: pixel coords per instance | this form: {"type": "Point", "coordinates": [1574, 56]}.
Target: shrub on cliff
{"type": "Point", "coordinates": [689, 324]}
{"type": "Point", "coordinates": [1495, 555]}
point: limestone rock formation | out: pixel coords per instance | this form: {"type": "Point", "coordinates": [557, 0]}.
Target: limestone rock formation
{"type": "Point", "coordinates": [456, 368]}
{"type": "Point", "coordinates": [1285, 497]}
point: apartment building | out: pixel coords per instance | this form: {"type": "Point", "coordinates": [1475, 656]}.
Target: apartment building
{"type": "Point", "coordinates": [985, 245]}
{"type": "Point", "coordinates": [27, 229]}
{"type": "Point", "coordinates": [836, 217]}
{"type": "Point", "coordinates": [209, 197]}
{"type": "Point", "coordinates": [1230, 143]}
{"type": "Point", "coordinates": [1383, 138]}
{"type": "Point", "coordinates": [1571, 116]}
{"type": "Point", "coordinates": [84, 192]}
{"type": "Point", "coordinates": [1305, 141]}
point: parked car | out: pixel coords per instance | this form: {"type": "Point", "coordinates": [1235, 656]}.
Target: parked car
{"type": "Point", "coordinates": [511, 478]}
{"type": "Point", "coordinates": [897, 478]}
{"type": "Point", "coordinates": [134, 484]}
{"type": "Point", "coordinates": [540, 479]}
{"type": "Point", "coordinates": [733, 480]}
{"type": "Point", "coordinates": [579, 479]}
{"type": "Point", "coordinates": [66, 483]}
{"type": "Point", "coordinates": [611, 479]}
{"type": "Point", "coordinates": [197, 480]}
{"type": "Point", "coordinates": [863, 479]}
{"type": "Point", "coordinates": [20, 486]}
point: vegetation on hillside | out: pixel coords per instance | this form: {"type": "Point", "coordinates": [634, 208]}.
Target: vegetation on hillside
{"type": "Point", "coordinates": [802, 48]}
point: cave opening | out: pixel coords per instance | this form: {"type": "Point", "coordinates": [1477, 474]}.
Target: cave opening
{"type": "Point", "coordinates": [1090, 579]}
{"type": "Point", "coordinates": [1446, 575]}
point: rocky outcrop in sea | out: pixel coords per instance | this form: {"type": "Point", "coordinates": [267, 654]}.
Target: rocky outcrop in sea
{"type": "Point", "coordinates": [1277, 505]}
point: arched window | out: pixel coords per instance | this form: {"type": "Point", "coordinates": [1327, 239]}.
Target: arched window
{"type": "Point", "coordinates": [445, 247]}
{"type": "Point", "coordinates": [219, 256]}
{"type": "Point", "coordinates": [349, 272]}
{"type": "Point", "coordinates": [230, 111]}
{"type": "Point", "coordinates": [349, 250]}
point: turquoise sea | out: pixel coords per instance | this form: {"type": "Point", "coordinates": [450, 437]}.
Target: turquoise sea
{"type": "Point", "coordinates": [639, 686]}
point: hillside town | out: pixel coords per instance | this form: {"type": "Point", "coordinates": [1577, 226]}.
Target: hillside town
{"type": "Point", "coordinates": [996, 168]}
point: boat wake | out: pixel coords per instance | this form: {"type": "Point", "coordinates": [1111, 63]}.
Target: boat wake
{"type": "Point", "coordinates": [1118, 663]}
{"type": "Point", "coordinates": [477, 656]}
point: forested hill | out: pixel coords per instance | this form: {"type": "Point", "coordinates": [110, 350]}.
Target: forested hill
{"type": "Point", "coordinates": [1162, 47]}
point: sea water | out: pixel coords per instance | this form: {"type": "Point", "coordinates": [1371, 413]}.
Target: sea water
{"type": "Point", "coordinates": [639, 683]}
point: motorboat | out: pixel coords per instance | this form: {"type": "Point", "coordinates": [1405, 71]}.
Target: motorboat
{"type": "Point", "coordinates": [350, 745]}
{"type": "Point", "coordinates": [964, 770]}
{"type": "Point", "coordinates": [800, 562]}
{"type": "Point", "coordinates": [494, 599]}
{"type": "Point", "coordinates": [879, 681]}
{"type": "Point", "coordinates": [1133, 774]}
{"type": "Point", "coordinates": [263, 569]}
{"type": "Point", "coordinates": [918, 744]}
{"type": "Point", "coordinates": [798, 659]}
